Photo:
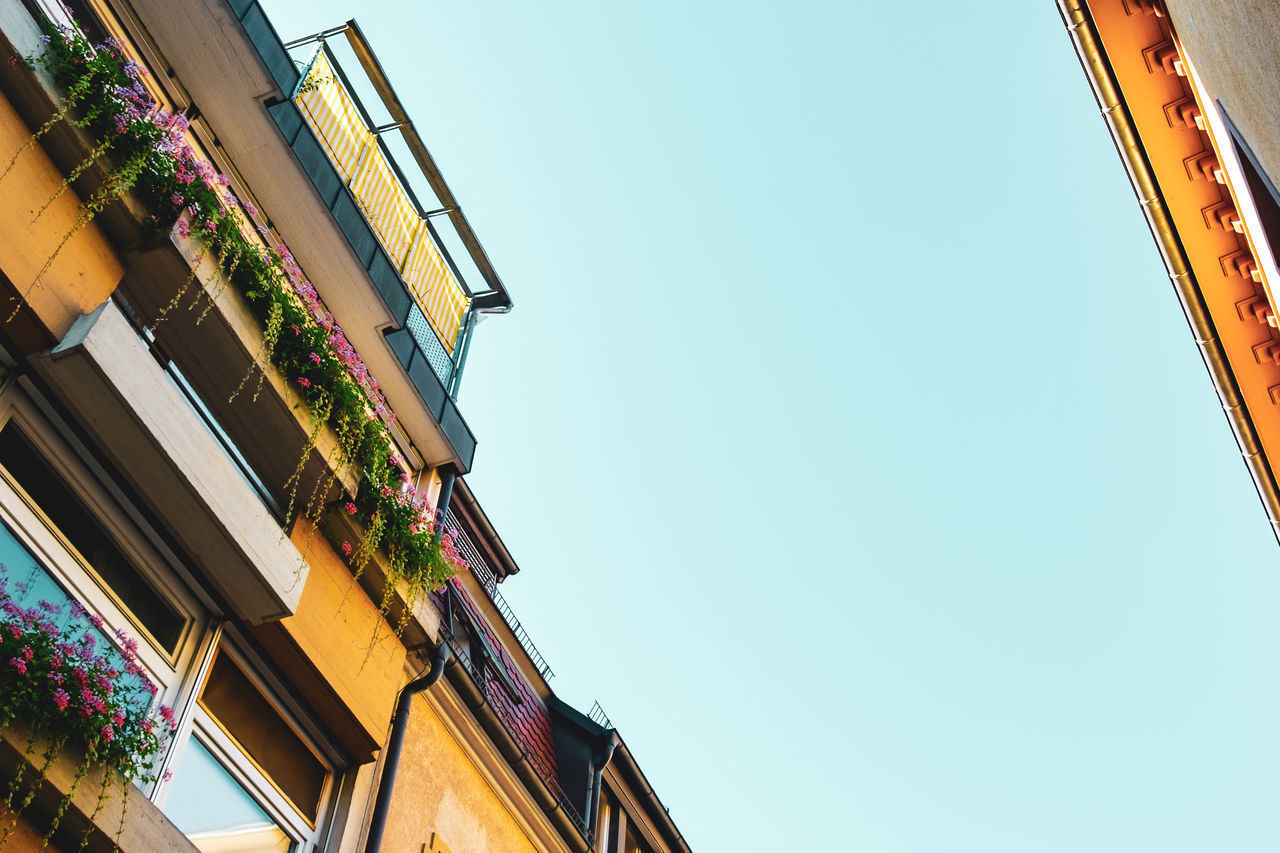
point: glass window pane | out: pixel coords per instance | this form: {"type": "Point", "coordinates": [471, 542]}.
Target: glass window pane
{"type": "Point", "coordinates": [261, 732]}
{"type": "Point", "coordinates": [215, 811]}
{"type": "Point", "coordinates": [83, 531]}
{"type": "Point", "coordinates": [27, 583]}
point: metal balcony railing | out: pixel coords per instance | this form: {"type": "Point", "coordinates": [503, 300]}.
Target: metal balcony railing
{"type": "Point", "coordinates": [597, 715]}
{"type": "Point", "coordinates": [480, 568]}
{"type": "Point", "coordinates": [440, 268]}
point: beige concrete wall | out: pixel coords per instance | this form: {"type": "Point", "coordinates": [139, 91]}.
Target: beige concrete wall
{"type": "Point", "coordinates": [1235, 47]}
{"type": "Point", "coordinates": [85, 271]}
{"type": "Point", "coordinates": [441, 795]}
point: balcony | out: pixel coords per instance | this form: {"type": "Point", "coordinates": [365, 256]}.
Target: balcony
{"type": "Point", "coordinates": [427, 263]}
{"type": "Point", "coordinates": [239, 89]}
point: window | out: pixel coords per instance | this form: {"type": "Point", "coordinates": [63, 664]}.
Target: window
{"type": "Point", "coordinates": [471, 642]}
{"type": "Point", "coordinates": [244, 776]}
{"type": "Point", "coordinates": [617, 832]}
{"type": "Point", "coordinates": [67, 532]}
{"type": "Point", "coordinates": [247, 780]}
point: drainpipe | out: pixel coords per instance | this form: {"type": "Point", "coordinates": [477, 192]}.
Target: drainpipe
{"type": "Point", "coordinates": [599, 760]}
{"type": "Point", "coordinates": [447, 477]}
{"type": "Point", "coordinates": [378, 821]}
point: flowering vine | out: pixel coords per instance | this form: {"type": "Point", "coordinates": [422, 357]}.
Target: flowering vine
{"type": "Point", "coordinates": [75, 689]}
{"type": "Point", "coordinates": [182, 191]}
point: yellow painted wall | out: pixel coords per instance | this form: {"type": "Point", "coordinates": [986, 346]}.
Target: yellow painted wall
{"type": "Point", "coordinates": [339, 629]}
{"type": "Point", "coordinates": [440, 792]}
{"type": "Point", "coordinates": [85, 271]}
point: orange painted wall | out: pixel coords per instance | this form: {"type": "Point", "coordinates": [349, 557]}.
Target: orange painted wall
{"type": "Point", "coordinates": [86, 269]}
{"type": "Point", "coordinates": [341, 632]}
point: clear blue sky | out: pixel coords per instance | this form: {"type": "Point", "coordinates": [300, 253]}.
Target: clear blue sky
{"type": "Point", "coordinates": [848, 432]}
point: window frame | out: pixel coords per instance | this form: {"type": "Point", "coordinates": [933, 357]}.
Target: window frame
{"type": "Point", "coordinates": [180, 674]}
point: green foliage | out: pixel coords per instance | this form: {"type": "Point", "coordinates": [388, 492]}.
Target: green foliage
{"type": "Point", "coordinates": [105, 95]}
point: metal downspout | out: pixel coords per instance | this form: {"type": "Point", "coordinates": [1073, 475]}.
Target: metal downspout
{"type": "Point", "coordinates": [599, 761]}
{"type": "Point", "coordinates": [1080, 27]}
{"type": "Point", "coordinates": [448, 476]}
{"type": "Point", "coordinates": [395, 742]}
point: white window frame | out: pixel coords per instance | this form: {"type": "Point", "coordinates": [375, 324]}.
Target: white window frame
{"type": "Point", "coordinates": [73, 571]}
{"type": "Point", "coordinates": [306, 837]}
{"type": "Point", "coordinates": [180, 674]}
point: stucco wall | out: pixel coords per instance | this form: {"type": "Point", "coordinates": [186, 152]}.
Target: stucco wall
{"type": "Point", "coordinates": [440, 793]}
{"type": "Point", "coordinates": [1235, 48]}
{"type": "Point", "coordinates": [346, 639]}
{"type": "Point", "coordinates": [85, 271]}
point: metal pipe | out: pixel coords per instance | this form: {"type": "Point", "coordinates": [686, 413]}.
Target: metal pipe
{"type": "Point", "coordinates": [1080, 26]}
{"type": "Point", "coordinates": [447, 477]}
{"type": "Point", "coordinates": [599, 761]}
{"type": "Point", "coordinates": [395, 742]}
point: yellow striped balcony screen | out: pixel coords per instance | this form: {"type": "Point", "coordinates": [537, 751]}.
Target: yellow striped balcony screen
{"type": "Point", "coordinates": [360, 162]}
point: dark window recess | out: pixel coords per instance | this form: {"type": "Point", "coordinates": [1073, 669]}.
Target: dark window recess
{"type": "Point", "coordinates": [473, 640]}
{"type": "Point", "coordinates": [264, 735]}
{"type": "Point", "coordinates": [51, 493]}
{"type": "Point", "coordinates": [1263, 200]}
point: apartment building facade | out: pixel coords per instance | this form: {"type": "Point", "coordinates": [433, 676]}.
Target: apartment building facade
{"type": "Point", "coordinates": [1188, 91]}
{"type": "Point", "coordinates": [239, 300]}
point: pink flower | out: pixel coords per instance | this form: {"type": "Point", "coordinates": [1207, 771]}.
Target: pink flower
{"type": "Point", "coordinates": [304, 382]}
{"type": "Point", "coordinates": [177, 199]}
{"type": "Point", "coordinates": [19, 664]}
{"type": "Point", "coordinates": [166, 713]}
{"type": "Point", "coordinates": [27, 653]}
{"type": "Point", "coordinates": [210, 226]}
{"type": "Point", "coordinates": [315, 358]}
{"type": "Point", "coordinates": [96, 620]}
{"type": "Point", "coordinates": [351, 508]}
{"type": "Point", "coordinates": [61, 698]}
{"type": "Point", "coordinates": [183, 229]}
{"type": "Point", "coordinates": [346, 548]}
{"type": "Point", "coordinates": [107, 734]}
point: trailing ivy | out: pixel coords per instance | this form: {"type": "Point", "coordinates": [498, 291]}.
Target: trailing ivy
{"type": "Point", "coordinates": [105, 97]}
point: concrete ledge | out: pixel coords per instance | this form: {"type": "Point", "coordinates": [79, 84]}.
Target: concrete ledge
{"type": "Point", "coordinates": [125, 812]}
{"type": "Point", "coordinates": [104, 373]}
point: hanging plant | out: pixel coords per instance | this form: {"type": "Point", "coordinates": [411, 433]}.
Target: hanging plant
{"type": "Point", "coordinates": [301, 338]}
{"type": "Point", "coordinates": [78, 693]}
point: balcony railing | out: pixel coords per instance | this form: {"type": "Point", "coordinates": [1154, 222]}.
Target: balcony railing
{"type": "Point", "coordinates": [367, 169]}
{"type": "Point", "coordinates": [424, 247]}
{"type": "Point", "coordinates": [480, 568]}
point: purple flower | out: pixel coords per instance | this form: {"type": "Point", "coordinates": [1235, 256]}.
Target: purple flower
{"type": "Point", "coordinates": [177, 199]}
{"type": "Point", "coordinates": [61, 698]}
{"type": "Point", "coordinates": [19, 664]}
